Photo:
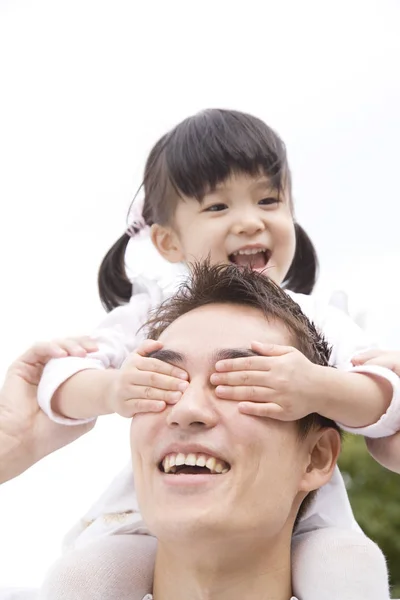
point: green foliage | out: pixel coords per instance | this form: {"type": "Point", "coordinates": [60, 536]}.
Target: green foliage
{"type": "Point", "coordinates": [375, 497]}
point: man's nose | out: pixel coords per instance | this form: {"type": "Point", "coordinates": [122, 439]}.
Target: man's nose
{"type": "Point", "coordinates": [248, 222]}
{"type": "Point", "coordinates": [196, 409]}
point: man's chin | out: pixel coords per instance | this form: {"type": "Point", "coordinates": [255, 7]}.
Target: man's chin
{"type": "Point", "coordinates": [190, 524]}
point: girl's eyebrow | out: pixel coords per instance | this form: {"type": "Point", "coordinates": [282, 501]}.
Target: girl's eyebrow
{"type": "Point", "coordinates": [264, 184]}
{"type": "Point", "coordinates": [260, 184]}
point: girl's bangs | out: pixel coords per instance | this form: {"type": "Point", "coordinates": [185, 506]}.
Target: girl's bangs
{"type": "Point", "coordinates": [206, 149]}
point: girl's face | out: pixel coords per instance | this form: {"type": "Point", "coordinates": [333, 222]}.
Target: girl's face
{"type": "Point", "coordinates": [243, 221]}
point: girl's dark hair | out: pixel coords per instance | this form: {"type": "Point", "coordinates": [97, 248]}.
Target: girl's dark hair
{"type": "Point", "coordinates": [191, 160]}
{"type": "Point", "coordinates": [303, 271]}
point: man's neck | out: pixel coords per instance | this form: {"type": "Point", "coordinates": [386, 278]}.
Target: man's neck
{"type": "Point", "coordinates": [211, 571]}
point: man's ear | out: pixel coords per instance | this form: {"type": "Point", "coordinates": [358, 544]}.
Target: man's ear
{"type": "Point", "coordinates": [324, 451]}
{"type": "Point", "coordinates": [167, 243]}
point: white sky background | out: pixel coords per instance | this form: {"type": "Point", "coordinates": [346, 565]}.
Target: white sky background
{"type": "Point", "coordinates": [87, 87]}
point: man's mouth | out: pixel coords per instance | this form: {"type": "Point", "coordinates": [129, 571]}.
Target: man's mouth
{"type": "Point", "coordinates": [193, 464]}
{"type": "Point", "coordinates": [255, 258]}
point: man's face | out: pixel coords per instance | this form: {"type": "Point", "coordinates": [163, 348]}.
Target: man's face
{"type": "Point", "coordinates": [262, 460]}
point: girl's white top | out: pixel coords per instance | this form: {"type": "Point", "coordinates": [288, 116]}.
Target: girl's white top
{"type": "Point", "coordinates": [117, 510]}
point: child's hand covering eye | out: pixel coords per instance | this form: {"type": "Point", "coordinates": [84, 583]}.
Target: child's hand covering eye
{"type": "Point", "coordinates": [146, 384]}
{"type": "Point", "coordinates": [277, 384]}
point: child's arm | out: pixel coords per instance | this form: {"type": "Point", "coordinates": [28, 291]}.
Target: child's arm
{"type": "Point", "coordinates": [73, 390]}
{"type": "Point", "coordinates": [363, 399]}
{"type": "Point", "coordinates": [282, 383]}
{"type": "Point", "coordinates": [385, 450]}
{"type": "Point", "coordinates": [142, 384]}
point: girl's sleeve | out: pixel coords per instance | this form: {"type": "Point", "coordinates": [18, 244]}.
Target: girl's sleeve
{"type": "Point", "coordinates": [348, 339]}
{"type": "Point", "coordinates": [117, 336]}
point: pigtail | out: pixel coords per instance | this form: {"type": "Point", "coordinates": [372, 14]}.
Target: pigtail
{"type": "Point", "coordinates": [303, 271]}
{"type": "Point", "coordinates": [113, 283]}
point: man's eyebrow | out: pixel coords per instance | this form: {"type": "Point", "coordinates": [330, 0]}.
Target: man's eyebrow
{"type": "Point", "coordinates": [176, 358]}
{"type": "Point", "coordinates": [229, 353]}
{"type": "Point", "coordinates": [168, 356]}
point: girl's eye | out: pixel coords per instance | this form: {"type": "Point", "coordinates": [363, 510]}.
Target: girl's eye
{"type": "Point", "coordinates": [215, 208]}
{"type": "Point", "coordinates": [269, 201]}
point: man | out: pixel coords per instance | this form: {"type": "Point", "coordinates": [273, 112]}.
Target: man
{"type": "Point", "coordinates": [225, 531]}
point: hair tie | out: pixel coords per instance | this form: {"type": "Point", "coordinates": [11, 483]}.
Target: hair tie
{"type": "Point", "coordinates": [137, 222]}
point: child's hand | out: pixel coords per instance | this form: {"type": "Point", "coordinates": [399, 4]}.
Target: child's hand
{"type": "Point", "coordinates": [277, 384]}
{"type": "Point", "coordinates": [146, 384]}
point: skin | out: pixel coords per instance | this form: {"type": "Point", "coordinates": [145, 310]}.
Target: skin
{"type": "Point", "coordinates": [203, 552]}
{"type": "Point", "coordinates": [386, 451]}
{"type": "Point", "coordinates": [243, 211]}
{"type": "Point", "coordinates": [26, 434]}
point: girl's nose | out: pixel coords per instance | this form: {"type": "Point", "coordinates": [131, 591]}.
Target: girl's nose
{"type": "Point", "coordinates": [248, 223]}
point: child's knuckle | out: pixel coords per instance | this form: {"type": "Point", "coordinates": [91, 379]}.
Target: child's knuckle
{"type": "Point", "coordinates": [244, 377]}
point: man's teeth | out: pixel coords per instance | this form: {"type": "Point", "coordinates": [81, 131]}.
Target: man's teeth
{"type": "Point", "coordinates": [249, 251]}
{"type": "Point", "coordinates": [171, 461]}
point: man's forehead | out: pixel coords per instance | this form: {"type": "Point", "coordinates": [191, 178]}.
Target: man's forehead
{"type": "Point", "coordinates": [218, 326]}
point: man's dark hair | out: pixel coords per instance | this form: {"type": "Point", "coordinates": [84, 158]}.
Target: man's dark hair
{"type": "Point", "coordinates": [230, 284]}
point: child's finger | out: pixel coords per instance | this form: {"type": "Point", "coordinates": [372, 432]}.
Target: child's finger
{"type": "Point", "coordinates": [258, 378]}
{"type": "Point", "coordinates": [239, 393]}
{"type": "Point", "coordinates": [158, 366]}
{"type": "Point", "coordinates": [269, 410]}
{"type": "Point", "coordinates": [148, 346]}
{"type": "Point", "coordinates": [248, 363]}
{"type": "Point", "coordinates": [137, 392]}
{"type": "Point", "coordinates": [157, 380]}
{"type": "Point", "coordinates": [135, 407]}
{"type": "Point", "coordinates": [271, 349]}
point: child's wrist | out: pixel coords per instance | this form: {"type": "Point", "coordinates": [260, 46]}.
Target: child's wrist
{"type": "Point", "coordinates": [316, 391]}
{"type": "Point", "coordinates": [353, 399]}
{"type": "Point", "coordinates": [107, 397]}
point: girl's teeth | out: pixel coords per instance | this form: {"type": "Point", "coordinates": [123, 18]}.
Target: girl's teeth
{"type": "Point", "coordinates": [249, 251]}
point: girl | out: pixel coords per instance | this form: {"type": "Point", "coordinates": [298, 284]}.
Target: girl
{"type": "Point", "coordinates": [217, 186]}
